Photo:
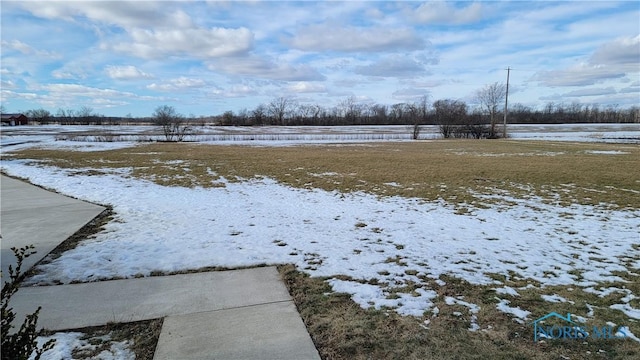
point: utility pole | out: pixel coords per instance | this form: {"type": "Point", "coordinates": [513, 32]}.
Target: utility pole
{"type": "Point", "coordinates": [506, 109]}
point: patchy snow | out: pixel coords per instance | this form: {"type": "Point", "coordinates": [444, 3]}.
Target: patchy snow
{"type": "Point", "coordinates": [473, 310]}
{"type": "Point", "coordinates": [606, 152]}
{"type": "Point", "coordinates": [521, 315]}
{"type": "Point", "coordinates": [89, 138]}
{"type": "Point", "coordinates": [256, 222]}
{"type": "Point", "coordinates": [68, 342]}
{"type": "Point", "coordinates": [555, 298]}
{"type": "Point", "coordinates": [507, 290]}
{"type": "Point", "coordinates": [393, 184]}
{"type": "Point", "coordinates": [627, 310]}
{"type": "Point", "coordinates": [373, 296]}
{"type": "Point", "coordinates": [624, 331]}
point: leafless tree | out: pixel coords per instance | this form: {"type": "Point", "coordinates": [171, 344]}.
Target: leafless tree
{"type": "Point", "coordinates": [259, 115]}
{"type": "Point", "coordinates": [40, 115]}
{"type": "Point", "coordinates": [449, 114]}
{"type": "Point", "coordinates": [418, 111]}
{"type": "Point", "coordinates": [279, 109]}
{"type": "Point", "coordinates": [490, 97]}
{"type": "Point", "coordinates": [350, 110]}
{"type": "Point", "coordinates": [173, 124]}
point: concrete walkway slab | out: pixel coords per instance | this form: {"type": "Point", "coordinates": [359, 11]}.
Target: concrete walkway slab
{"type": "Point", "coordinates": [268, 331]}
{"type": "Point", "coordinates": [31, 215]}
{"type": "Point", "coordinates": [90, 304]}
{"type": "Point", "coordinates": [241, 314]}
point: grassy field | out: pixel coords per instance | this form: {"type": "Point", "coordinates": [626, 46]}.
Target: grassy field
{"type": "Point", "coordinates": [560, 172]}
{"type": "Point", "coordinates": [459, 172]}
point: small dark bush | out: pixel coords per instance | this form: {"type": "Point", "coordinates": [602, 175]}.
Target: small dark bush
{"type": "Point", "coordinates": [21, 344]}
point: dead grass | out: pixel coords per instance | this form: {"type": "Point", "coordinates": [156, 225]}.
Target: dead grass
{"type": "Point", "coordinates": [456, 171]}
{"type": "Point", "coordinates": [559, 172]}
{"type": "Point", "coordinates": [142, 335]}
{"type": "Point", "coordinates": [341, 329]}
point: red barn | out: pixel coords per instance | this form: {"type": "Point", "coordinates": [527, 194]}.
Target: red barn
{"type": "Point", "coordinates": [14, 119]}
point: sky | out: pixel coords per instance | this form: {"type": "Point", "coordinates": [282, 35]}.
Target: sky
{"type": "Point", "coordinates": [124, 58]}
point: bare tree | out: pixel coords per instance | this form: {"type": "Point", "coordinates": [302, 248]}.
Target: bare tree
{"type": "Point", "coordinates": [449, 114]}
{"type": "Point", "coordinates": [279, 109]}
{"type": "Point", "coordinates": [490, 97]}
{"type": "Point", "coordinates": [40, 115]}
{"type": "Point", "coordinates": [350, 110]}
{"type": "Point", "coordinates": [379, 113]}
{"type": "Point", "coordinates": [173, 124]}
{"type": "Point", "coordinates": [418, 111]}
{"type": "Point", "coordinates": [258, 115]}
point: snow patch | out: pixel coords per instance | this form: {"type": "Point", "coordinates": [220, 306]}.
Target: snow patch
{"type": "Point", "coordinates": [67, 342]}
{"type": "Point", "coordinates": [520, 314]}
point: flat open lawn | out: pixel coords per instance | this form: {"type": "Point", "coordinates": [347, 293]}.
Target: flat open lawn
{"type": "Point", "coordinates": [468, 317]}
{"type": "Point", "coordinates": [583, 173]}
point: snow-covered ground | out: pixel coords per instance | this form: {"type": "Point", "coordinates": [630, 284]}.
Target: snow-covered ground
{"type": "Point", "coordinates": [66, 343]}
{"type": "Point", "coordinates": [71, 136]}
{"type": "Point", "coordinates": [349, 238]}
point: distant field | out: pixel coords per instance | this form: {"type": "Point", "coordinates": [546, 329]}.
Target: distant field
{"type": "Point", "coordinates": [279, 135]}
{"type": "Point", "coordinates": [473, 239]}
{"type": "Point", "coordinates": [584, 173]}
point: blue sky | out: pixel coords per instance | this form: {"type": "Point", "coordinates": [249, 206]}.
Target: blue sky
{"type": "Point", "coordinates": [204, 58]}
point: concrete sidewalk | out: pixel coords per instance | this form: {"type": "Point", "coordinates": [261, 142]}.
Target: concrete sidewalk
{"type": "Point", "coordinates": [242, 314]}
{"type": "Point", "coordinates": [32, 215]}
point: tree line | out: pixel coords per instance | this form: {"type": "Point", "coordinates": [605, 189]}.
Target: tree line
{"type": "Point", "coordinates": [451, 114]}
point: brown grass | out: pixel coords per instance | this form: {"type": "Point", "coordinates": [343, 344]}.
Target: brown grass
{"type": "Point", "coordinates": [557, 171]}
{"type": "Point", "coordinates": [142, 335]}
{"type": "Point", "coordinates": [341, 329]}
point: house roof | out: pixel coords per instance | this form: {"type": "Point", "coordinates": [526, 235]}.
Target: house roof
{"type": "Point", "coordinates": [11, 116]}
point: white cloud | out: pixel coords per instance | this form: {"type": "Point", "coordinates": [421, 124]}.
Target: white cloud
{"type": "Point", "coordinates": [402, 66]}
{"type": "Point", "coordinates": [622, 51]}
{"type": "Point", "coordinates": [611, 60]}
{"type": "Point", "coordinates": [62, 74]}
{"type": "Point", "coordinates": [409, 94]}
{"type": "Point", "coordinates": [590, 92]}
{"type": "Point", "coordinates": [59, 95]}
{"type": "Point", "coordinates": [181, 83]}
{"type": "Point", "coordinates": [128, 72]}
{"type": "Point", "coordinates": [28, 50]}
{"type": "Point", "coordinates": [156, 29]}
{"type": "Point", "coordinates": [393, 66]}
{"type": "Point", "coordinates": [441, 12]}
{"type": "Point", "coordinates": [266, 69]}
{"type": "Point", "coordinates": [6, 95]}
{"type": "Point", "coordinates": [82, 90]}
{"type": "Point", "coordinates": [235, 91]}
{"type": "Point", "coordinates": [199, 43]}
{"type": "Point", "coordinates": [126, 14]}
{"type": "Point", "coordinates": [7, 84]}
{"type": "Point", "coordinates": [334, 37]}
{"type": "Point", "coordinates": [306, 87]}
{"type": "Point", "coordinates": [580, 75]}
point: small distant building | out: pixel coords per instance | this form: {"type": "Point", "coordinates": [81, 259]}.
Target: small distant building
{"type": "Point", "coordinates": [14, 119]}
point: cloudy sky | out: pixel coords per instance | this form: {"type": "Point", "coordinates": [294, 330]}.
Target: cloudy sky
{"type": "Point", "coordinates": [203, 58]}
